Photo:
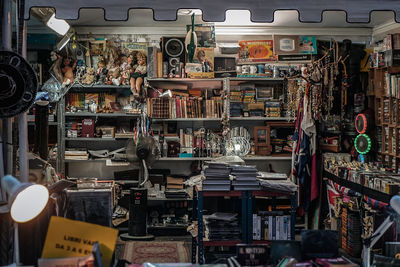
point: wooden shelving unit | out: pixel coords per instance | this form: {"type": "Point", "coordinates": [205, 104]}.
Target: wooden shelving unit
{"type": "Point", "coordinates": [387, 119]}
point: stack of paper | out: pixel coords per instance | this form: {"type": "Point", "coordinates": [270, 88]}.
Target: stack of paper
{"type": "Point", "coordinates": [174, 182]}
{"type": "Point", "coordinates": [173, 193]}
{"type": "Point", "coordinates": [221, 226]}
{"type": "Point", "coordinates": [76, 155]}
{"type": "Point", "coordinates": [245, 177]}
{"type": "Point", "coordinates": [217, 177]}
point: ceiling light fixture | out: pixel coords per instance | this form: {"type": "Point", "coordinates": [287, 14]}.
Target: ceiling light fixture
{"type": "Point", "coordinates": [60, 26]}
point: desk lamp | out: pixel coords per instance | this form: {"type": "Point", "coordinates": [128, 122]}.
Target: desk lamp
{"type": "Point", "coordinates": [25, 201]}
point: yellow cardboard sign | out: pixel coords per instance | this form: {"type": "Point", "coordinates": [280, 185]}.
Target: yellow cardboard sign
{"type": "Point", "coordinates": [69, 238]}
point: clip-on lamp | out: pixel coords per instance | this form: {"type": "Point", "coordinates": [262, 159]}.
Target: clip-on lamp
{"type": "Point", "coordinates": [25, 201]}
{"type": "Point", "coordinates": [387, 223]}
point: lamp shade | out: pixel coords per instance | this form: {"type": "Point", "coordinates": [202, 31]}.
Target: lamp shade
{"type": "Point", "coordinates": [26, 200]}
{"type": "Point", "coordinates": [395, 203]}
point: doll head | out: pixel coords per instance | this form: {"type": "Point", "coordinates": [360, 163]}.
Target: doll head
{"type": "Point", "coordinates": [101, 64]}
{"type": "Point", "coordinates": [141, 58]}
{"type": "Point", "coordinates": [123, 59]}
{"type": "Point", "coordinates": [130, 59]}
{"type": "Point", "coordinates": [67, 61]}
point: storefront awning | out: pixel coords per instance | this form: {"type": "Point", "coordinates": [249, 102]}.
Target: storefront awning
{"type": "Point", "coordinates": [214, 10]}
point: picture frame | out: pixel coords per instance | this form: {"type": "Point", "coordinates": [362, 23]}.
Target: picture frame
{"type": "Point", "coordinates": [128, 47]}
{"type": "Point", "coordinates": [205, 34]}
{"type": "Point", "coordinates": [256, 51]}
{"type": "Point", "coordinates": [97, 48]}
{"type": "Point", "coordinates": [286, 44]}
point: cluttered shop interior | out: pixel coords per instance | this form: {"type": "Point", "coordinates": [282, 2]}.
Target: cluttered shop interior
{"type": "Point", "coordinates": [154, 134]}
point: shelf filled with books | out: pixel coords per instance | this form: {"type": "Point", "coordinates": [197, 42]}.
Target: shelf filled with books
{"type": "Point", "coordinates": [385, 82]}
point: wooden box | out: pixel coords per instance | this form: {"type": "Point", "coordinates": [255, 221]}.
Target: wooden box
{"type": "Point", "coordinates": [262, 145]}
{"type": "Point", "coordinates": [107, 132]}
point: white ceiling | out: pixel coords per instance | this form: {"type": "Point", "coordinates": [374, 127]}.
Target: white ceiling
{"type": "Point", "coordinates": [237, 24]}
{"type": "Point", "coordinates": [284, 18]}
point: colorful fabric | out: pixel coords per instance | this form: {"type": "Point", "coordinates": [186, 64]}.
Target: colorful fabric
{"type": "Point", "coordinates": [375, 203]}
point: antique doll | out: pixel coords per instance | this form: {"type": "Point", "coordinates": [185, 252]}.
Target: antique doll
{"type": "Point", "coordinates": [136, 78]}
{"type": "Point", "coordinates": [67, 69]}
{"type": "Point", "coordinates": [114, 73]}
{"type": "Point", "coordinates": [126, 66]}
{"type": "Point", "coordinates": [101, 73]}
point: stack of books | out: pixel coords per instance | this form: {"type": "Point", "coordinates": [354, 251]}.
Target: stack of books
{"type": "Point", "coordinates": [245, 177]}
{"type": "Point", "coordinates": [175, 193]}
{"type": "Point", "coordinates": [174, 182]}
{"type": "Point", "coordinates": [249, 95]}
{"type": "Point", "coordinates": [236, 96]}
{"type": "Point", "coordinates": [273, 109]}
{"type": "Point", "coordinates": [217, 177]}
{"type": "Point", "coordinates": [236, 109]}
{"type": "Point", "coordinates": [76, 155]}
{"type": "Point", "coordinates": [221, 226]}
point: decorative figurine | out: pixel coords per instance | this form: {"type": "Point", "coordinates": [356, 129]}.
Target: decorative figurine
{"type": "Point", "coordinates": [88, 78]}
{"type": "Point", "coordinates": [126, 67]}
{"type": "Point", "coordinates": [101, 73]}
{"type": "Point", "coordinates": [136, 78]}
{"type": "Point", "coordinates": [114, 73]}
{"type": "Point", "coordinates": [116, 77]}
{"type": "Point", "coordinates": [67, 69]}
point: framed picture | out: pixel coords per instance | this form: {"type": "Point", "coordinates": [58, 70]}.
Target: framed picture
{"type": "Point", "coordinates": [286, 44]}
{"type": "Point", "coordinates": [205, 35]}
{"type": "Point", "coordinates": [256, 51]}
{"type": "Point", "coordinates": [128, 47]}
{"type": "Point", "coordinates": [97, 47]}
{"type": "Point", "coordinates": [308, 45]}
{"type": "Point", "coordinates": [205, 57]}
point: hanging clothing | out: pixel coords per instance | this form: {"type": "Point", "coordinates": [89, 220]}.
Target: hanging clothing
{"type": "Point", "coordinates": [304, 156]}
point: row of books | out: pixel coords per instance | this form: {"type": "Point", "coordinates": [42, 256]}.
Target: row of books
{"type": "Point", "coordinates": [391, 41]}
{"type": "Point", "coordinates": [84, 99]}
{"type": "Point", "coordinates": [186, 138]}
{"type": "Point", "coordinates": [271, 225]}
{"type": "Point", "coordinates": [392, 85]}
{"type": "Point", "coordinates": [185, 107]}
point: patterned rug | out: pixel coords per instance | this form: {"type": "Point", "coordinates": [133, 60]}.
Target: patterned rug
{"type": "Point", "coordinates": [156, 252]}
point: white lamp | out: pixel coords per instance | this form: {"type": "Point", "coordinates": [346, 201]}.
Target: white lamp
{"type": "Point", "coordinates": [26, 200]}
{"type": "Point", "coordinates": [60, 26]}
{"type": "Point", "coordinates": [380, 231]}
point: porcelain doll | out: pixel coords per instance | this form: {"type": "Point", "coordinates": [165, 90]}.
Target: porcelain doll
{"type": "Point", "coordinates": [136, 78]}
{"type": "Point", "coordinates": [101, 73]}
{"type": "Point", "coordinates": [125, 67]}
{"type": "Point", "coordinates": [67, 69]}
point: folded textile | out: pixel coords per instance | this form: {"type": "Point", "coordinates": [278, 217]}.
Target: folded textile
{"type": "Point", "coordinates": [279, 185]}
